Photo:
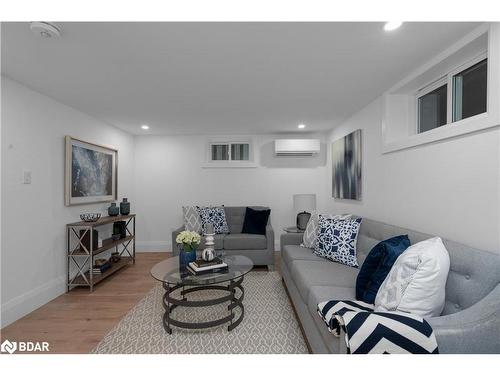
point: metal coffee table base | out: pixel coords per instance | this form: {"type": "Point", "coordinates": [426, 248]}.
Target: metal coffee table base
{"type": "Point", "coordinates": [169, 303]}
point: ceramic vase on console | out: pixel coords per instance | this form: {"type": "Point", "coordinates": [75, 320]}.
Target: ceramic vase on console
{"type": "Point", "coordinates": [113, 210]}
{"type": "Point", "coordinates": [125, 207]}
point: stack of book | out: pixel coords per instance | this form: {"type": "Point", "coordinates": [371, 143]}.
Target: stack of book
{"type": "Point", "coordinates": [202, 267]}
{"type": "Point", "coordinates": [100, 269]}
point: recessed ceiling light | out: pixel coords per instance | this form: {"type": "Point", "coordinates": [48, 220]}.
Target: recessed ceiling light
{"type": "Point", "coordinates": [392, 25]}
{"type": "Point", "coordinates": [45, 29]}
{"type": "Point", "coordinates": [301, 126]}
{"type": "Point", "coordinates": [144, 127]}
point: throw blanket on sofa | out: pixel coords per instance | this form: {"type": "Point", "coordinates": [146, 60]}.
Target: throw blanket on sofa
{"type": "Point", "coordinates": [370, 332]}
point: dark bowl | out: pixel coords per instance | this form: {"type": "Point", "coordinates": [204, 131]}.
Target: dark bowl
{"type": "Point", "coordinates": [90, 218]}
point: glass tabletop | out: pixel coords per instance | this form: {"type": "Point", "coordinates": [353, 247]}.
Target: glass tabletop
{"type": "Point", "coordinates": [168, 271]}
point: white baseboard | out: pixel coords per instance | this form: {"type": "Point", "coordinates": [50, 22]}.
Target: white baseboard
{"type": "Point", "coordinates": [22, 305]}
{"type": "Point", "coordinates": [153, 246]}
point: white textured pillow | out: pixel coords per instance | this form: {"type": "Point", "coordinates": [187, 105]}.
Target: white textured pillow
{"type": "Point", "coordinates": [192, 220]}
{"type": "Point", "coordinates": [416, 282]}
{"type": "Point", "coordinates": [311, 232]}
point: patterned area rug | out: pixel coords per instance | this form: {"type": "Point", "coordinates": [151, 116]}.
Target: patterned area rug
{"type": "Point", "coordinates": [269, 324]}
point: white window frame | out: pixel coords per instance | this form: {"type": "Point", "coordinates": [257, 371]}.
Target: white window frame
{"type": "Point", "coordinates": [448, 80]}
{"type": "Point", "coordinates": [210, 163]}
{"type": "Point", "coordinates": [398, 122]}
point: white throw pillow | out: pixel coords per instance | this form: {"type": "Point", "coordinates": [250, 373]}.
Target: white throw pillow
{"type": "Point", "coordinates": [311, 232]}
{"type": "Point", "coordinates": [192, 220]}
{"type": "Point", "coordinates": [416, 282]}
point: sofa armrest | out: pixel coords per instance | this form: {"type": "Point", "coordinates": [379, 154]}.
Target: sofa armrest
{"type": "Point", "coordinates": [290, 239]}
{"type": "Point", "coordinates": [175, 249]}
{"type": "Point", "coordinates": [473, 330]}
{"type": "Point", "coordinates": [270, 237]}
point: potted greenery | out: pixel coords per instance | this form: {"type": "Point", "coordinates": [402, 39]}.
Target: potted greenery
{"type": "Point", "coordinates": [188, 242]}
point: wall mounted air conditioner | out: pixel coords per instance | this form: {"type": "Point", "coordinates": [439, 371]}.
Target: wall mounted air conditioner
{"type": "Point", "coordinates": [296, 147]}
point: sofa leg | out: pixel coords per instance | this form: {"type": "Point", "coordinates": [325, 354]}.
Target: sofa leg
{"type": "Point", "coordinates": [270, 267]}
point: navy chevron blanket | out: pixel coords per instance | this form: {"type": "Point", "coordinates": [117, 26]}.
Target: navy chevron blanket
{"type": "Point", "coordinates": [372, 332]}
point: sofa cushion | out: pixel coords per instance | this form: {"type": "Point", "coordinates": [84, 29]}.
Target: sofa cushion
{"type": "Point", "coordinates": [319, 294]}
{"type": "Point", "coordinates": [337, 240]}
{"type": "Point", "coordinates": [215, 216]}
{"type": "Point", "coordinates": [255, 221]}
{"type": "Point", "coordinates": [377, 266]}
{"type": "Point", "coordinates": [416, 282]}
{"type": "Point", "coordinates": [245, 241]}
{"type": "Point", "coordinates": [309, 273]}
{"type": "Point", "coordinates": [296, 252]}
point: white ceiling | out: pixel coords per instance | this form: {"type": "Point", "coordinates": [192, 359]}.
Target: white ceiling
{"type": "Point", "coordinates": [235, 78]}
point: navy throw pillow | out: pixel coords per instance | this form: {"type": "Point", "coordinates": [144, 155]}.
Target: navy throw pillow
{"type": "Point", "coordinates": [255, 221]}
{"type": "Point", "coordinates": [377, 265]}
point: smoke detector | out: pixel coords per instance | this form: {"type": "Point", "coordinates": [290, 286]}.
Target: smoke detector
{"type": "Point", "coordinates": [45, 29]}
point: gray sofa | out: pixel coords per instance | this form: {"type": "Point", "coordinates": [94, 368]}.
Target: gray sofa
{"type": "Point", "coordinates": [259, 248]}
{"type": "Point", "coordinates": [470, 322]}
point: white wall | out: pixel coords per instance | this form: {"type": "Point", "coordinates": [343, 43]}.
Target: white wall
{"type": "Point", "coordinates": [169, 174]}
{"type": "Point", "coordinates": [34, 216]}
{"type": "Point", "coordinates": [449, 188]}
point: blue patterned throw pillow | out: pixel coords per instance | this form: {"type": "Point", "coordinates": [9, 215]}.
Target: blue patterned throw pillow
{"type": "Point", "coordinates": [215, 216]}
{"type": "Point", "coordinates": [337, 240]}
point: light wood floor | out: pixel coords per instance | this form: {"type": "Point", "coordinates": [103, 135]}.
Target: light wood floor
{"type": "Point", "coordinates": [77, 321]}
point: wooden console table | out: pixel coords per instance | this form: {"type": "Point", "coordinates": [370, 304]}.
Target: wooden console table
{"type": "Point", "coordinates": [83, 256]}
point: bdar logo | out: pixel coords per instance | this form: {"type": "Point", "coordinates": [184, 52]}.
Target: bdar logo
{"type": "Point", "coordinates": [24, 346]}
{"type": "Point", "coordinates": [8, 347]}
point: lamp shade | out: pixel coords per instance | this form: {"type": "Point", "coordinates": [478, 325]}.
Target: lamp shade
{"type": "Point", "coordinates": [304, 202]}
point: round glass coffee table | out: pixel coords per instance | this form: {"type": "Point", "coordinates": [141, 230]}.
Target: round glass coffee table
{"type": "Point", "coordinates": [169, 273]}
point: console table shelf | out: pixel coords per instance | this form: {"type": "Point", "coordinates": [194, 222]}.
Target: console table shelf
{"type": "Point", "coordinates": [102, 221]}
{"type": "Point", "coordinates": [79, 252]}
{"type": "Point", "coordinates": [82, 255]}
{"type": "Point", "coordinates": [80, 281]}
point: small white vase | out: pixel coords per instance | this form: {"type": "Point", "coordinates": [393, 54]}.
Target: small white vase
{"type": "Point", "coordinates": [208, 254]}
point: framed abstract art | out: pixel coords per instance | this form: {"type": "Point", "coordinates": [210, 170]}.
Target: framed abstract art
{"type": "Point", "coordinates": [346, 167]}
{"type": "Point", "coordinates": [91, 172]}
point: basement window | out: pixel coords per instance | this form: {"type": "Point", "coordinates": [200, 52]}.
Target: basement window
{"type": "Point", "coordinates": [432, 109]}
{"type": "Point", "coordinates": [240, 151]}
{"type": "Point", "coordinates": [458, 95]}
{"type": "Point", "coordinates": [451, 95]}
{"type": "Point", "coordinates": [231, 153]}
{"type": "Point", "coordinates": [470, 90]}
{"type": "Point", "coordinates": [219, 152]}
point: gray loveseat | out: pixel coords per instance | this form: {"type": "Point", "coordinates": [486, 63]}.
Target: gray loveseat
{"type": "Point", "coordinates": [470, 322]}
{"type": "Point", "coordinates": [259, 248]}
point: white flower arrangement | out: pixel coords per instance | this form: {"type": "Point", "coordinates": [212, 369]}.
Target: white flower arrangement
{"type": "Point", "coordinates": [189, 239]}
